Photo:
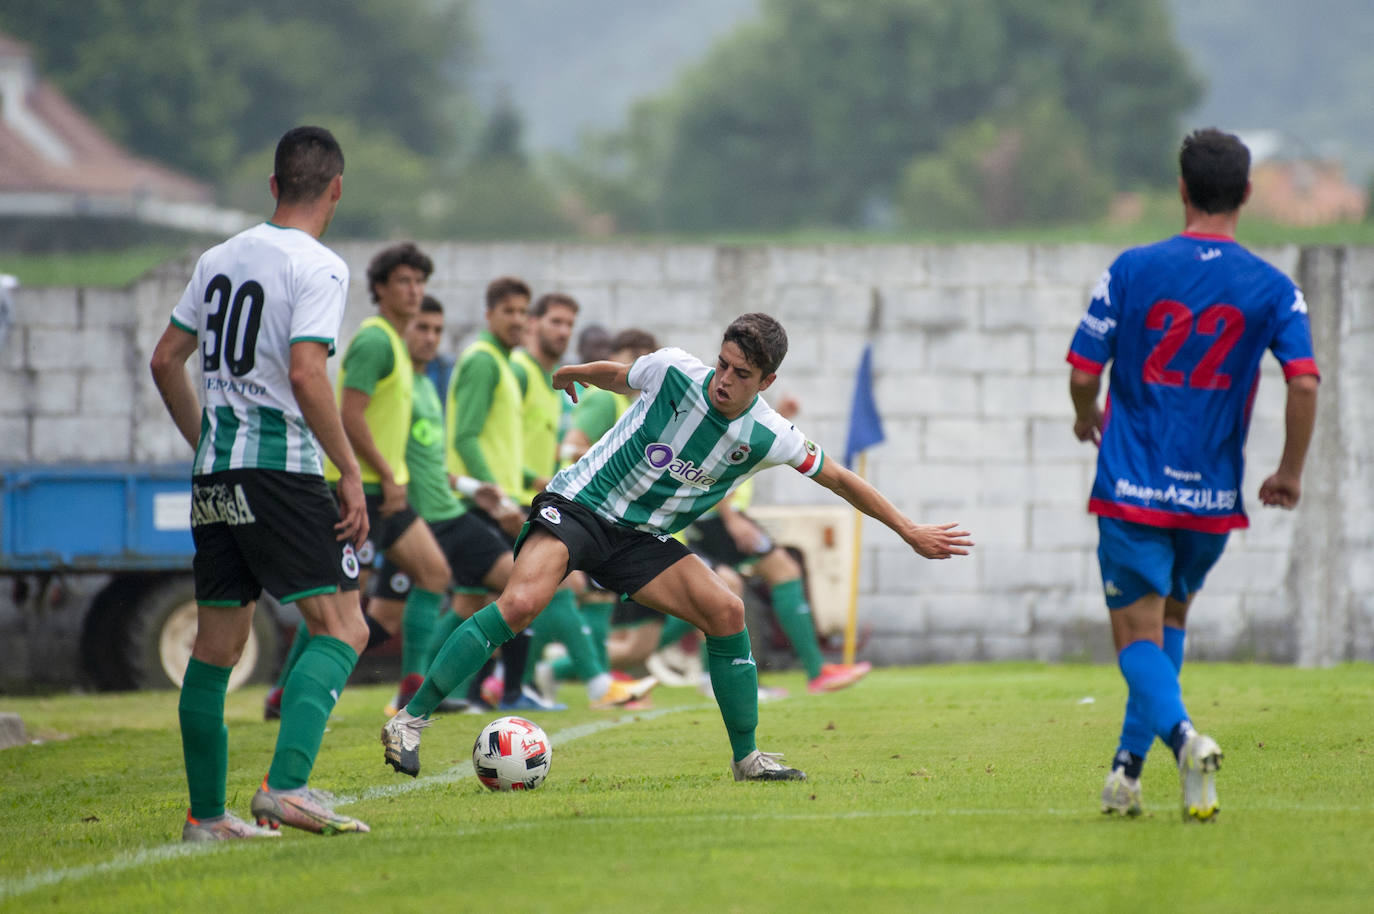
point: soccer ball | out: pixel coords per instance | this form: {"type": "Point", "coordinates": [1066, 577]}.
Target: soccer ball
{"type": "Point", "coordinates": [512, 753]}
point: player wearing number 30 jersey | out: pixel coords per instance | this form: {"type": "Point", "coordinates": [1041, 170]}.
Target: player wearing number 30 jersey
{"type": "Point", "coordinates": [248, 300]}
{"type": "Point", "coordinates": [261, 313]}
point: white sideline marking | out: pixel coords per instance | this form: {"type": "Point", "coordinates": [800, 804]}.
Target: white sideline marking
{"type": "Point", "coordinates": [150, 856]}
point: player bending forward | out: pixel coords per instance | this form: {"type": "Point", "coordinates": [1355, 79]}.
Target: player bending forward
{"type": "Point", "coordinates": [693, 433]}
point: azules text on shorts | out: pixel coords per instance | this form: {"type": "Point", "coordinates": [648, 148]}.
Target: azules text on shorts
{"type": "Point", "coordinates": [1180, 496]}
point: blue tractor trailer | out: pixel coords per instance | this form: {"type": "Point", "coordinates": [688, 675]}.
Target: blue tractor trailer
{"type": "Point", "coordinates": [95, 581]}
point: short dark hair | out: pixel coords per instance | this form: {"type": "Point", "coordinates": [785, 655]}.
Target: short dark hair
{"type": "Point", "coordinates": [760, 338]}
{"type": "Point", "coordinates": [503, 287]}
{"type": "Point", "coordinates": [307, 159]}
{"type": "Point", "coordinates": [403, 254]}
{"type": "Point", "coordinates": [431, 305]}
{"type": "Point", "coordinates": [634, 338]}
{"type": "Point", "coordinates": [549, 299]}
{"type": "Point", "coordinates": [1216, 168]}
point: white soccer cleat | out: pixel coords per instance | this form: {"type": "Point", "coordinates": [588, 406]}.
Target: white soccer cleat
{"type": "Point", "coordinates": [764, 766]}
{"type": "Point", "coordinates": [1121, 795]}
{"type": "Point", "coordinates": [401, 740]}
{"type": "Point", "coordinates": [1197, 768]}
{"type": "Point", "coordinates": [227, 827]}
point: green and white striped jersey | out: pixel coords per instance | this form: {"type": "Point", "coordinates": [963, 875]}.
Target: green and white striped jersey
{"type": "Point", "coordinates": [672, 455]}
{"type": "Point", "coordinates": [248, 300]}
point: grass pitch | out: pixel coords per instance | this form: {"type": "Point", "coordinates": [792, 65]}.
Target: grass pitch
{"type": "Point", "coordinates": [963, 788]}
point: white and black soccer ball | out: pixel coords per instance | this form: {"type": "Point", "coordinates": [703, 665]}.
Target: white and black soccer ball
{"type": "Point", "coordinates": [512, 753]}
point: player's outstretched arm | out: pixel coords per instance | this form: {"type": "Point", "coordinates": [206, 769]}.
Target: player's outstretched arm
{"type": "Point", "coordinates": [612, 376]}
{"type": "Point", "coordinates": [169, 374]}
{"type": "Point", "coordinates": [315, 396]}
{"type": "Point", "coordinates": [1284, 488]}
{"type": "Point", "coordinates": [933, 541]}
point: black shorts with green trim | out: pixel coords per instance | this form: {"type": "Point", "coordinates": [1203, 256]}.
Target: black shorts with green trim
{"type": "Point", "coordinates": [621, 559]}
{"type": "Point", "coordinates": [257, 530]}
{"type": "Point", "coordinates": [708, 538]}
{"type": "Point", "coordinates": [383, 530]}
{"type": "Point", "coordinates": [471, 546]}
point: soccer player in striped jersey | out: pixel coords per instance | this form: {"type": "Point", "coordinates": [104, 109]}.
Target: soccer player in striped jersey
{"type": "Point", "coordinates": [693, 433]}
{"type": "Point", "coordinates": [1184, 323]}
{"type": "Point", "coordinates": [263, 309]}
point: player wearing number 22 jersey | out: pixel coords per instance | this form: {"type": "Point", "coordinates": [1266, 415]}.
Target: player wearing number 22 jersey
{"type": "Point", "coordinates": [1184, 323]}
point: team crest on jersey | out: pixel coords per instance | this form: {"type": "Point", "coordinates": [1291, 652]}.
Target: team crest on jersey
{"type": "Point", "coordinates": [738, 455]}
{"type": "Point", "coordinates": [350, 561]}
{"type": "Point", "coordinates": [550, 514]}
{"type": "Point", "coordinates": [367, 552]}
{"type": "Point", "coordinates": [400, 582]}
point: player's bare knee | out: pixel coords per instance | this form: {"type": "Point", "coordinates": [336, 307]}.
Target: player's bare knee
{"type": "Point", "coordinates": [519, 606]}
{"type": "Point", "coordinates": [217, 654]}
{"type": "Point", "coordinates": [725, 616]}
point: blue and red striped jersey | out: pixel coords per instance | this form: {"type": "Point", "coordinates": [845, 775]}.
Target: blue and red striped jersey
{"type": "Point", "coordinates": [1184, 324]}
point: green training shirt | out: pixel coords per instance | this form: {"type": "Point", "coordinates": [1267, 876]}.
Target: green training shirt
{"type": "Point", "coordinates": [429, 492]}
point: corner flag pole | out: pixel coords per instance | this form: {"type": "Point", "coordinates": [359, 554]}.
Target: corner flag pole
{"type": "Point", "coordinates": [865, 430]}
{"type": "Point", "coordinates": [852, 619]}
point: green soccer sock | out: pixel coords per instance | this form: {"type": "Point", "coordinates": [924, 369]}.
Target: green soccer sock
{"type": "Point", "coordinates": [735, 680]}
{"type": "Point", "coordinates": [597, 617]}
{"type": "Point", "coordinates": [297, 646]}
{"type": "Point", "coordinates": [204, 738]}
{"type": "Point", "coordinates": [794, 615]}
{"type": "Point", "coordinates": [461, 656]}
{"type": "Point", "coordinates": [560, 621]}
{"type": "Point", "coordinates": [673, 631]}
{"type": "Point", "coordinates": [446, 625]}
{"type": "Point", "coordinates": [310, 695]}
{"type": "Point", "coordinates": [417, 624]}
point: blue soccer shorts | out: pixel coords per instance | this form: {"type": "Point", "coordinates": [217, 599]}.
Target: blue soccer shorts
{"type": "Point", "coordinates": [1138, 559]}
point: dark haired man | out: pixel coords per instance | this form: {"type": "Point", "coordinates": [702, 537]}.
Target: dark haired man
{"type": "Point", "coordinates": [693, 434]}
{"type": "Point", "coordinates": [1184, 323]}
{"type": "Point", "coordinates": [479, 556]}
{"type": "Point", "coordinates": [264, 309]}
{"type": "Point", "coordinates": [485, 438]}
{"type": "Point", "coordinates": [375, 390]}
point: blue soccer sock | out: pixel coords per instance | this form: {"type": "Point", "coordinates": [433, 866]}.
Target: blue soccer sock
{"type": "Point", "coordinates": [1153, 682]}
{"type": "Point", "coordinates": [1136, 735]}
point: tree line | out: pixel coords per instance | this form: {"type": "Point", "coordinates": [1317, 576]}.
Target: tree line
{"type": "Point", "coordinates": [818, 113]}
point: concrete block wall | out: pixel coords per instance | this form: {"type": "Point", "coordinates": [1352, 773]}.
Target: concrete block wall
{"type": "Point", "coordinates": [971, 383]}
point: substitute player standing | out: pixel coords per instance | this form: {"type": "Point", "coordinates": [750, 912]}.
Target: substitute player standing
{"type": "Point", "coordinates": [1184, 323]}
{"type": "Point", "coordinates": [264, 308]}
{"type": "Point", "coordinates": [691, 436]}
